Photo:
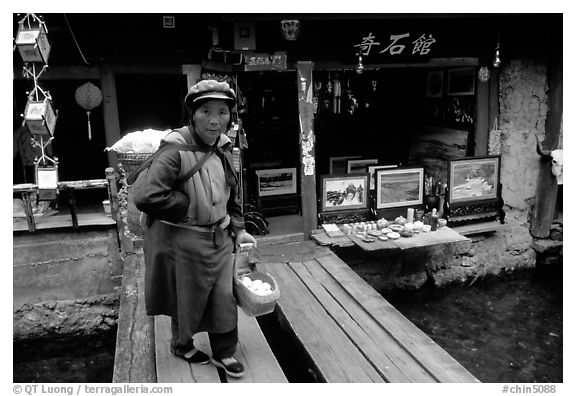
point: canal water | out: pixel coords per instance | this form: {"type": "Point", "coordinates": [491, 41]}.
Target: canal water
{"type": "Point", "coordinates": [501, 329]}
{"type": "Point", "coordinates": [83, 359]}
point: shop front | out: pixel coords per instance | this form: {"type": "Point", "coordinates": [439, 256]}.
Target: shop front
{"type": "Point", "coordinates": [401, 103]}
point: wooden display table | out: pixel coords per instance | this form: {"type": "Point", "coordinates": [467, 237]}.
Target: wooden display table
{"type": "Point", "coordinates": [441, 236]}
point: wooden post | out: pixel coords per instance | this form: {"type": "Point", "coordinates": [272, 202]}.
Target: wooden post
{"type": "Point", "coordinates": [28, 210]}
{"type": "Point", "coordinates": [73, 208]}
{"type": "Point", "coordinates": [110, 108]}
{"type": "Point", "coordinates": [307, 142]}
{"type": "Point", "coordinates": [547, 187]}
{"type": "Point", "coordinates": [482, 119]}
{"type": "Point", "coordinates": [112, 179]}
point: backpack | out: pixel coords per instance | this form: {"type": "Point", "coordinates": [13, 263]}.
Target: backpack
{"type": "Point", "coordinates": [139, 179]}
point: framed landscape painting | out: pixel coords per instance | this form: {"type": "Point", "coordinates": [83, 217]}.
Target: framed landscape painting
{"type": "Point", "coordinates": [276, 181]}
{"type": "Point", "coordinates": [399, 187]}
{"type": "Point", "coordinates": [345, 192]}
{"type": "Point", "coordinates": [473, 179]}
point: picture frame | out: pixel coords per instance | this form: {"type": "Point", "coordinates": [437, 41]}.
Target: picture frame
{"type": "Point", "coordinates": [399, 187]}
{"type": "Point", "coordinates": [278, 181]}
{"type": "Point", "coordinates": [338, 164]}
{"type": "Point", "coordinates": [359, 165]}
{"type": "Point", "coordinates": [345, 192]}
{"type": "Point", "coordinates": [461, 81]}
{"type": "Point", "coordinates": [473, 179]}
{"type": "Point", "coordinates": [435, 84]}
{"type": "Point", "coordinates": [372, 172]}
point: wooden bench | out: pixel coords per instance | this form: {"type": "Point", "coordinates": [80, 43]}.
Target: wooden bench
{"type": "Point", "coordinates": [350, 332]}
{"type": "Point", "coordinates": [253, 351]}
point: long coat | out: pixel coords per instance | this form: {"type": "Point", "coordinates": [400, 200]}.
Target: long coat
{"type": "Point", "coordinates": [189, 273]}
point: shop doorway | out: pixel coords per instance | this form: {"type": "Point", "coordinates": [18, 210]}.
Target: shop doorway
{"type": "Point", "coordinates": [272, 162]}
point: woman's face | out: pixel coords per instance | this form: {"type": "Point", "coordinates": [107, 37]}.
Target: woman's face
{"type": "Point", "coordinates": [211, 120]}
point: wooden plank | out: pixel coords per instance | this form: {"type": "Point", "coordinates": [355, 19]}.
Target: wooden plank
{"type": "Point", "coordinates": [323, 239]}
{"type": "Point", "coordinates": [134, 356]}
{"type": "Point", "coordinates": [264, 240]}
{"type": "Point", "coordinates": [171, 369]}
{"type": "Point", "coordinates": [442, 236]}
{"type": "Point", "coordinates": [387, 357]}
{"type": "Point", "coordinates": [436, 360]}
{"type": "Point", "coordinates": [331, 352]}
{"type": "Point", "coordinates": [479, 228]}
{"type": "Point", "coordinates": [255, 354]}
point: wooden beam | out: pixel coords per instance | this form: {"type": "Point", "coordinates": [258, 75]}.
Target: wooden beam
{"type": "Point", "coordinates": [76, 72]}
{"type": "Point", "coordinates": [547, 187]}
{"type": "Point", "coordinates": [110, 107]}
{"type": "Point", "coordinates": [307, 149]}
{"type": "Point", "coordinates": [432, 63]}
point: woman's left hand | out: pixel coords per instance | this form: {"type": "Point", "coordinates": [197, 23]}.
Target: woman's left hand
{"type": "Point", "coordinates": [243, 237]}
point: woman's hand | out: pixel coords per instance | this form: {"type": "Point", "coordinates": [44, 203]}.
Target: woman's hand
{"type": "Point", "coordinates": [243, 237]}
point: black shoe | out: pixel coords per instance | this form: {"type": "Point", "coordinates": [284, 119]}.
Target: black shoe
{"type": "Point", "coordinates": [233, 367]}
{"type": "Point", "coordinates": [195, 356]}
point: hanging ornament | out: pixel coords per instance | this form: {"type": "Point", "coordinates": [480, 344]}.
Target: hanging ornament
{"type": "Point", "coordinates": [88, 96]}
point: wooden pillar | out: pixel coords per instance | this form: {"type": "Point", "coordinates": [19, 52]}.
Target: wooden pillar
{"type": "Point", "coordinates": [547, 187]}
{"type": "Point", "coordinates": [110, 108]}
{"type": "Point", "coordinates": [307, 146]}
{"type": "Point", "coordinates": [482, 118]}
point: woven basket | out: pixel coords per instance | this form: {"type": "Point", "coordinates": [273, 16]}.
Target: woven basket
{"type": "Point", "coordinates": [251, 303]}
{"type": "Point", "coordinates": [131, 161]}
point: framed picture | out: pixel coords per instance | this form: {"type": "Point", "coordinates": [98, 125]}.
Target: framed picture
{"type": "Point", "coordinates": [435, 84]}
{"type": "Point", "coordinates": [461, 81]}
{"type": "Point", "coordinates": [359, 165]}
{"type": "Point", "coordinates": [399, 187]}
{"type": "Point", "coordinates": [276, 181]}
{"type": "Point", "coordinates": [473, 179]}
{"type": "Point", "coordinates": [338, 164]}
{"type": "Point", "coordinates": [345, 192]}
{"type": "Point", "coordinates": [372, 172]}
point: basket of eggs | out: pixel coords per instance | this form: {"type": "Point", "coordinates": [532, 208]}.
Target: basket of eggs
{"type": "Point", "coordinates": [256, 293]}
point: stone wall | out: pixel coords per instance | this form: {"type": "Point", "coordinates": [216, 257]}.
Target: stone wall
{"type": "Point", "coordinates": [65, 283]}
{"type": "Point", "coordinates": [523, 107]}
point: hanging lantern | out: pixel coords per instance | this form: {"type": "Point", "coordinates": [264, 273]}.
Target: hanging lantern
{"type": "Point", "coordinates": [31, 39]}
{"type": "Point", "coordinates": [39, 117]}
{"type": "Point", "coordinates": [88, 96]}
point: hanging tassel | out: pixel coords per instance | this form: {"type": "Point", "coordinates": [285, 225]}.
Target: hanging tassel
{"type": "Point", "coordinates": [89, 128]}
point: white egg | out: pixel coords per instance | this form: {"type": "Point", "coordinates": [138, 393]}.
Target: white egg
{"type": "Point", "coordinates": [246, 281]}
{"type": "Point", "coordinates": [257, 282]}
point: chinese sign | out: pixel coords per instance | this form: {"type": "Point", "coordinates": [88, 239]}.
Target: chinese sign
{"type": "Point", "coordinates": [396, 45]}
{"type": "Point", "coordinates": [256, 62]}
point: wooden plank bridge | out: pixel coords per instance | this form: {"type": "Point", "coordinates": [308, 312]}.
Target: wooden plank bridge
{"type": "Point", "coordinates": [346, 330]}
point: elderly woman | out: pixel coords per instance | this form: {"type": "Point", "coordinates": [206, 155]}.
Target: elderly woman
{"type": "Point", "coordinates": [188, 246]}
